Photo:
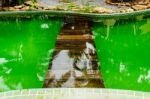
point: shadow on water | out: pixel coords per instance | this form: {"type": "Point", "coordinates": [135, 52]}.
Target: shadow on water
{"type": "Point", "coordinates": [74, 62]}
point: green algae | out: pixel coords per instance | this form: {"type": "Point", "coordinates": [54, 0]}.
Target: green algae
{"type": "Point", "coordinates": [124, 53]}
{"type": "Point", "coordinates": [26, 48]}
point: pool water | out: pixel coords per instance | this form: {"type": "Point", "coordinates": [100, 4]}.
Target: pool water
{"type": "Point", "coordinates": [26, 47]}
{"type": "Point", "coordinates": [122, 53]}
{"type": "Point", "coordinates": [123, 47]}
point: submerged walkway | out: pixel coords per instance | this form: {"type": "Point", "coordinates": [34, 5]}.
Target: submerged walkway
{"type": "Point", "coordinates": [74, 62]}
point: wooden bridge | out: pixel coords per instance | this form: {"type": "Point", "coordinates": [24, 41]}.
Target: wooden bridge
{"type": "Point", "coordinates": [76, 56]}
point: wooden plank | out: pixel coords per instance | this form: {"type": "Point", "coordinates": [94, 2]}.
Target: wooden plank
{"type": "Point", "coordinates": [75, 32]}
{"type": "Point", "coordinates": [74, 40]}
{"type": "Point", "coordinates": [74, 37]}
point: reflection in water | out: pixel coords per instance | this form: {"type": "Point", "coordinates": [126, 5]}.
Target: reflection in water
{"type": "Point", "coordinates": [74, 62]}
{"type": "Point", "coordinates": [3, 60]}
{"type": "Point", "coordinates": [124, 53]}
{"type": "Point", "coordinates": [25, 51]}
{"type": "Point", "coordinates": [61, 57]}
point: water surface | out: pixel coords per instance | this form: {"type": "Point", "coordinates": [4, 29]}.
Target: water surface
{"type": "Point", "coordinates": [26, 46]}
{"type": "Point", "coordinates": [123, 48]}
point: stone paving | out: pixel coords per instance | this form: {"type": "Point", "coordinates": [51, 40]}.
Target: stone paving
{"type": "Point", "coordinates": [67, 93]}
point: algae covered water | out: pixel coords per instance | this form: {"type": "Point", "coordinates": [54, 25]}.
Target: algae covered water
{"type": "Point", "coordinates": [26, 46]}
{"type": "Point", "coordinates": [123, 48]}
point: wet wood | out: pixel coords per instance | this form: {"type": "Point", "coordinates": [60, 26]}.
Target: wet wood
{"type": "Point", "coordinates": [74, 32]}
{"type": "Point", "coordinates": [95, 74]}
{"type": "Point", "coordinates": [71, 65]}
{"type": "Point", "coordinates": [75, 37]}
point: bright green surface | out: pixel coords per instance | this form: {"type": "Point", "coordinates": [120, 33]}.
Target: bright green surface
{"type": "Point", "coordinates": [26, 46]}
{"type": "Point", "coordinates": [123, 48]}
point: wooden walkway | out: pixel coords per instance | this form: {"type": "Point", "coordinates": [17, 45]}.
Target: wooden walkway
{"type": "Point", "coordinates": [74, 62]}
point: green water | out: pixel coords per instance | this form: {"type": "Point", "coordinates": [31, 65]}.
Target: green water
{"type": "Point", "coordinates": [123, 48]}
{"type": "Point", "coordinates": [26, 46]}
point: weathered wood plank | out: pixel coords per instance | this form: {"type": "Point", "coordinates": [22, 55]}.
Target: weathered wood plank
{"type": "Point", "coordinates": [71, 65]}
